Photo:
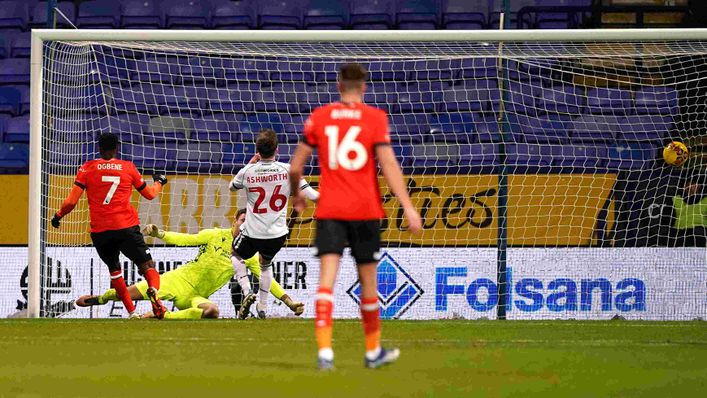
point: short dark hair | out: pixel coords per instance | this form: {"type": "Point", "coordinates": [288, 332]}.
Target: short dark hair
{"type": "Point", "coordinates": [266, 143]}
{"type": "Point", "coordinates": [351, 75]}
{"type": "Point", "coordinates": [108, 141]}
{"type": "Point", "coordinates": [239, 212]}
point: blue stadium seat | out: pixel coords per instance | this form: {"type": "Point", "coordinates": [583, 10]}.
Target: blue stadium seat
{"type": "Point", "coordinates": [522, 97]}
{"type": "Point", "coordinates": [417, 14]}
{"type": "Point", "coordinates": [528, 158]}
{"type": "Point", "coordinates": [578, 158]}
{"type": "Point", "coordinates": [113, 70]}
{"type": "Point", "coordinates": [155, 157]}
{"type": "Point", "coordinates": [202, 71]}
{"type": "Point", "coordinates": [471, 95]}
{"type": "Point", "coordinates": [140, 14]}
{"type": "Point", "coordinates": [232, 98]}
{"type": "Point", "coordinates": [476, 68]}
{"type": "Point", "coordinates": [659, 100]}
{"type": "Point", "coordinates": [19, 45]}
{"type": "Point", "coordinates": [292, 127]}
{"type": "Point", "coordinates": [409, 128]}
{"type": "Point", "coordinates": [239, 70]}
{"type": "Point", "coordinates": [139, 98]}
{"type": "Point", "coordinates": [186, 14]}
{"type": "Point", "coordinates": [478, 156]}
{"type": "Point", "coordinates": [216, 128]}
{"type": "Point", "coordinates": [130, 127]}
{"type": "Point", "coordinates": [634, 155]}
{"type": "Point", "coordinates": [14, 157]}
{"type": "Point", "coordinates": [595, 129]}
{"type": "Point", "coordinates": [565, 99]}
{"type": "Point", "coordinates": [4, 47]}
{"type": "Point", "coordinates": [200, 157]}
{"type": "Point", "coordinates": [17, 129]}
{"type": "Point", "coordinates": [80, 128]}
{"type": "Point", "coordinates": [227, 14]}
{"type": "Point", "coordinates": [647, 128]}
{"type": "Point", "coordinates": [152, 70]}
{"type": "Point", "coordinates": [464, 14]}
{"type": "Point", "coordinates": [168, 129]}
{"type": "Point", "coordinates": [9, 101]}
{"type": "Point", "coordinates": [184, 101]}
{"type": "Point", "coordinates": [279, 97]}
{"type": "Point", "coordinates": [292, 71]}
{"type": "Point", "coordinates": [540, 129]}
{"type": "Point", "coordinates": [421, 97]}
{"type": "Point", "coordinates": [326, 14]}
{"type": "Point", "coordinates": [610, 101]}
{"type": "Point", "coordinates": [254, 123]}
{"type": "Point", "coordinates": [39, 15]}
{"type": "Point", "coordinates": [236, 155]}
{"type": "Point", "coordinates": [24, 99]}
{"type": "Point", "coordinates": [14, 71]}
{"type": "Point", "coordinates": [98, 14]}
{"type": "Point", "coordinates": [433, 159]}
{"type": "Point", "coordinates": [14, 14]}
{"type": "Point", "coordinates": [432, 70]}
{"type": "Point", "coordinates": [385, 70]}
{"type": "Point", "coordinates": [284, 14]}
{"type": "Point", "coordinates": [373, 14]}
{"type": "Point", "coordinates": [453, 127]}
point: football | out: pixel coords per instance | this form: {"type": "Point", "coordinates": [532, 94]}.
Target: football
{"type": "Point", "coordinates": [675, 153]}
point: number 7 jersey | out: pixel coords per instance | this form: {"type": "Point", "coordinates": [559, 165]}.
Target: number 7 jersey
{"type": "Point", "coordinates": [267, 186]}
{"type": "Point", "coordinates": [345, 136]}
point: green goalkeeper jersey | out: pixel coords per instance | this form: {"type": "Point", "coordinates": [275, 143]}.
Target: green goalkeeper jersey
{"type": "Point", "coordinates": [211, 269]}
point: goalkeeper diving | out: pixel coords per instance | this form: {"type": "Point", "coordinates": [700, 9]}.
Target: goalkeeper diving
{"type": "Point", "coordinates": [190, 285]}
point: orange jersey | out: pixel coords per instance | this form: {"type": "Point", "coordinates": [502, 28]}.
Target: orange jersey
{"type": "Point", "coordinates": [108, 185]}
{"type": "Point", "coordinates": [345, 136]}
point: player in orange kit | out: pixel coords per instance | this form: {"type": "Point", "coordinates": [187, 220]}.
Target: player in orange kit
{"type": "Point", "coordinates": [115, 226]}
{"type": "Point", "coordinates": [349, 136]}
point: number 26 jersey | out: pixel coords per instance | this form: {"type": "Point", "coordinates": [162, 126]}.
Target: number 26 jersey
{"type": "Point", "coordinates": [345, 136]}
{"type": "Point", "coordinates": [267, 186]}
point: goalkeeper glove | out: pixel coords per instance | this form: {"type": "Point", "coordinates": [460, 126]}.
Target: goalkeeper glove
{"type": "Point", "coordinates": [152, 230]}
{"type": "Point", "coordinates": [56, 221]}
{"type": "Point", "coordinates": [161, 178]}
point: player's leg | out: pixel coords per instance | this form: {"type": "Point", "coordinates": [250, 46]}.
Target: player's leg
{"type": "Point", "coordinates": [133, 246]}
{"type": "Point", "coordinates": [199, 308]}
{"type": "Point", "coordinates": [268, 249]}
{"type": "Point", "coordinates": [110, 295]}
{"type": "Point", "coordinates": [108, 251]}
{"type": "Point", "coordinates": [364, 237]}
{"type": "Point", "coordinates": [243, 247]}
{"type": "Point", "coordinates": [276, 289]}
{"type": "Point", "coordinates": [329, 242]}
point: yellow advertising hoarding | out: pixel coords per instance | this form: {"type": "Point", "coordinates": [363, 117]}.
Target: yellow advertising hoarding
{"type": "Point", "coordinates": [457, 210]}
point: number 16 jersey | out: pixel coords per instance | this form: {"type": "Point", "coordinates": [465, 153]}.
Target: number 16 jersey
{"type": "Point", "coordinates": [345, 136]}
{"type": "Point", "coordinates": [267, 186]}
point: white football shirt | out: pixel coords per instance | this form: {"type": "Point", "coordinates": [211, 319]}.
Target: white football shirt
{"type": "Point", "coordinates": [267, 185]}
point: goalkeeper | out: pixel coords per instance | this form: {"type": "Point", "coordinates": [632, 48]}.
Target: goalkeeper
{"type": "Point", "coordinates": [190, 285]}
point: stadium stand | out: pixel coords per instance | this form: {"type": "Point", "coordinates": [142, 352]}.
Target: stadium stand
{"type": "Point", "coordinates": [233, 103]}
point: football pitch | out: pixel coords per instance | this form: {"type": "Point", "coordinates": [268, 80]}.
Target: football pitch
{"type": "Point", "coordinates": [275, 358]}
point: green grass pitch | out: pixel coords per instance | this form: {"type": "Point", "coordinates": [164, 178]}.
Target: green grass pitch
{"type": "Point", "coordinates": [276, 358]}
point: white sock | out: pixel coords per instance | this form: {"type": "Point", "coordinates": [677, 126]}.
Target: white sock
{"type": "Point", "coordinates": [327, 354]}
{"type": "Point", "coordinates": [241, 275]}
{"type": "Point", "coordinates": [265, 282]}
{"type": "Point", "coordinates": [373, 354]}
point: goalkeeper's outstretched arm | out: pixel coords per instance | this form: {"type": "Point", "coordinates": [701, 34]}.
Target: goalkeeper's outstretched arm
{"type": "Point", "coordinates": [177, 238]}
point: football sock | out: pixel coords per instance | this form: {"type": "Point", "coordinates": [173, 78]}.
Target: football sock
{"type": "Point", "coordinates": [324, 307]}
{"type": "Point", "coordinates": [370, 317]}
{"type": "Point", "coordinates": [153, 278]}
{"type": "Point", "coordinates": [189, 313]}
{"type": "Point", "coordinates": [277, 290]}
{"type": "Point", "coordinates": [118, 283]}
{"type": "Point", "coordinates": [241, 275]}
{"type": "Point", "coordinates": [265, 282]}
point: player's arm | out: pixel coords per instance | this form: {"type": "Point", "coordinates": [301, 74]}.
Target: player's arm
{"type": "Point", "coordinates": [177, 238]}
{"type": "Point", "coordinates": [394, 176]}
{"type": "Point", "coordinates": [309, 192]}
{"type": "Point", "coordinates": [68, 205]}
{"type": "Point", "coordinates": [237, 182]}
{"type": "Point", "coordinates": [148, 192]}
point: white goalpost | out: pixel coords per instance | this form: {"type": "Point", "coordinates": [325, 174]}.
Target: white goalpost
{"type": "Point", "coordinates": [533, 156]}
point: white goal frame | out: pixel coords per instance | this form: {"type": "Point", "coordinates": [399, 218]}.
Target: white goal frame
{"type": "Point", "coordinates": [39, 36]}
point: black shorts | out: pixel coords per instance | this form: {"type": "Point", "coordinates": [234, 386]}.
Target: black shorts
{"type": "Point", "coordinates": [129, 241]}
{"type": "Point", "coordinates": [246, 247]}
{"type": "Point", "coordinates": [363, 237]}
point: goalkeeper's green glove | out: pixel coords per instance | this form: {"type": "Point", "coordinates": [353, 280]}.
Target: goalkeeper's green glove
{"type": "Point", "coordinates": [161, 178]}
{"type": "Point", "coordinates": [56, 221]}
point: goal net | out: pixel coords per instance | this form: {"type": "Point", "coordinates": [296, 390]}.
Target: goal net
{"type": "Point", "coordinates": [569, 134]}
